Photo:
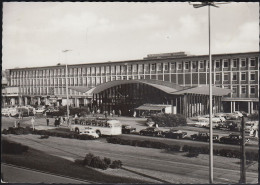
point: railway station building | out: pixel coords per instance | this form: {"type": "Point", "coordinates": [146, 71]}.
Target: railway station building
{"type": "Point", "coordinates": [175, 79]}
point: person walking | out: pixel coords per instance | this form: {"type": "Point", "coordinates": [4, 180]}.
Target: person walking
{"type": "Point", "coordinates": [33, 121]}
{"type": "Point", "coordinates": [47, 121]}
{"type": "Point", "coordinates": [113, 113]}
{"type": "Point", "coordinates": [119, 113]}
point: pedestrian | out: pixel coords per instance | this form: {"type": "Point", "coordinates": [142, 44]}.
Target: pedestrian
{"type": "Point", "coordinates": [64, 120]}
{"type": "Point", "coordinates": [134, 115]}
{"type": "Point", "coordinates": [113, 113]}
{"type": "Point", "coordinates": [32, 121]}
{"type": "Point", "coordinates": [15, 124]}
{"type": "Point", "coordinates": [105, 114]}
{"type": "Point", "coordinates": [47, 121]}
{"type": "Point", "coordinates": [119, 113]}
{"type": "Point", "coordinates": [18, 124]}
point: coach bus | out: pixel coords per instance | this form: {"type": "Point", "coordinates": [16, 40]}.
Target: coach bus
{"type": "Point", "coordinates": [100, 126]}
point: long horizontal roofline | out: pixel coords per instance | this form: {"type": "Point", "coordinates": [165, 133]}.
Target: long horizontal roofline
{"type": "Point", "coordinates": [143, 60]}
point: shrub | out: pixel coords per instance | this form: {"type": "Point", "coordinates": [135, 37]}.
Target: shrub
{"type": "Point", "coordinates": [44, 137]}
{"type": "Point", "coordinates": [88, 158]}
{"type": "Point", "coordinates": [116, 164]}
{"type": "Point", "coordinates": [169, 120]}
{"type": "Point", "coordinates": [79, 162]}
{"type": "Point", "coordinates": [107, 161]}
{"type": "Point", "coordinates": [96, 162]}
{"type": "Point", "coordinates": [192, 154]}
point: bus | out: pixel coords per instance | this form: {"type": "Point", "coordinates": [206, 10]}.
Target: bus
{"type": "Point", "coordinates": [100, 125]}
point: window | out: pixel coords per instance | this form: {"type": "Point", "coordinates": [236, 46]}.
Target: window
{"type": "Point", "coordinates": [172, 66]}
{"type": "Point", "coordinates": [97, 70]}
{"type": "Point", "coordinates": [234, 88]}
{"type": "Point", "coordinates": [140, 68]}
{"type": "Point", "coordinates": [234, 76]}
{"type": "Point", "coordinates": [225, 77]}
{"type": "Point", "coordinates": [75, 71]}
{"type": "Point", "coordinates": [243, 62]}
{"type": "Point", "coordinates": [194, 65]}
{"type": "Point", "coordinates": [102, 69]}
{"type": "Point", "coordinates": [217, 63]}
{"type": "Point", "coordinates": [243, 89]}
{"type": "Point", "coordinates": [252, 90]}
{"type": "Point", "coordinates": [159, 66]}
{"type": "Point", "coordinates": [118, 69]}
{"type": "Point", "coordinates": [146, 67]}
{"type": "Point", "coordinates": [88, 70]}
{"type": "Point", "coordinates": [83, 71]}
{"type": "Point", "coordinates": [252, 76]}
{"type": "Point", "coordinates": [243, 76]}
{"type": "Point", "coordinates": [123, 68]}
{"type": "Point", "coordinates": [153, 67]}
{"type": "Point", "coordinates": [225, 61]}
{"type": "Point", "coordinates": [135, 68]}
{"type": "Point", "coordinates": [207, 62]}
{"type": "Point", "coordinates": [107, 69]}
{"type": "Point", "coordinates": [234, 62]}
{"type": "Point", "coordinates": [129, 68]}
{"type": "Point", "coordinates": [93, 70]}
{"type": "Point", "coordinates": [124, 77]}
{"type": "Point", "coordinates": [187, 65]}
{"type": "Point", "coordinates": [112, 69]}
{"type": "Point", "coordinates": [252, 62]}
{"type": "Point", "coordinates": [201, 64]}
{"type": "Point", "coordinates": [226, 87]}
{"type": "Point", "coordinates": [179, 66]}
{"type": "Point", "coordinates": [118, 78]}
{"type": "Point", "coordinates": [217, 77]}
{"type": "Point", "coordinates": [166, 67]}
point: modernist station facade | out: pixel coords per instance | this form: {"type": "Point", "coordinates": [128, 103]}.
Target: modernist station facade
{"type": "Point", "coordinates": [170, 78]}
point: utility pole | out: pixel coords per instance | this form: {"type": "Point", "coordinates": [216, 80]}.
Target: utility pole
{"type": "Point", "coordinates": [243, 154]}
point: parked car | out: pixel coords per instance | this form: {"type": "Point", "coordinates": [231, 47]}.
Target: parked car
{"type": "Point", "coordinates": [249, 125]}
{"type": "Point", "coordinates": [90, 132]}
{"type": "Point", "coordinates": [151, 131]}
{"type": "Point", "coordinates": [232, 138]}
{"type": "Point", "coordinates": [204, 136]}
{"type": "Point", "coordinates": [175, 134]}
{"type": "Point", "coordinates": [201, 123]}
{"type": "Point", "coordinates": [214, 119]}
{"type": "Point", "coordinates": [222, 118]}
{"type": "Point", "coordinates": [127, 129]}
{"type": "Point", "coordinates": [238, 113]}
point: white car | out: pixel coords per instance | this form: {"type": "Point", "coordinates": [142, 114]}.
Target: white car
{"type": "Point", "coordinates": [206, 118]}
{"type": "Point", "coordinates": [238, 113]}
{"type": "Point", "coordinates": [40, 111]}
{"type": "Point", "coordinates": [201, 124]}
{"type": "Point", "coordinates": [222, 119]}
{"type": "Point", "coordinates": [90, 132]}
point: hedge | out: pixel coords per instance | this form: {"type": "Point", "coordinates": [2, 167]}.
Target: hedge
{"type": "Point", "coordinates": [13, 148]}
{"type": "Point", "coordinates": [251, 156]}
{"type": "Point", "coordinates": [169, 120]}
{"type": "Point", "coordinates": [27, 130]}
{"type": "Point", "coordinates": [145, 143]}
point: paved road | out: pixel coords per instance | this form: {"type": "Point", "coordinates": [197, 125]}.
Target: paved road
{"type": "Point", "coordinates": [14, 174]}
{"type": "Point", "coordinates": [155, 163]}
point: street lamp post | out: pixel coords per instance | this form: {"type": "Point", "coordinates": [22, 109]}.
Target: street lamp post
{"type": "Point", "coordinates": [209, 4]}
{"type": "Point", "coordinates": [67, 89]}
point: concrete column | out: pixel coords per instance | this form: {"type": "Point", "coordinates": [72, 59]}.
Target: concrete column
{"type": "Point", "coordinates": [12, 101]}
{"type": "Point", "coordinates": [234, 106]}
{"type": "Point", "coordinates": [25, 101]}
{"type": "Point", "coordinates": [231, 107]}
{"type": "Point", "coordinates": [20, 101]}
{"type": "Point", "coordinates": [252, 107]}
{"type": "Point", "coordinates": [76, 102]}
{"type": "Point", "coordinates": [249, 107]}
{"type": "Point", "coordinates": [39, 100]}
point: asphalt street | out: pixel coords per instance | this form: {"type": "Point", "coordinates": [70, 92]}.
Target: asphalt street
{"type": "Point", "coordinates": [154, 161]}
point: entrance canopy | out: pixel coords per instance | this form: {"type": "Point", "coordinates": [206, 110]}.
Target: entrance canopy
{"type": "Point", "coordinates": [152, 107]}
{"type": "Point", "coordinates": [166, 87]}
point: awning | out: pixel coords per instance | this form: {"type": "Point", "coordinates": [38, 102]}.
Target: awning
{"type": "Point", "coordinates": [151, 107]}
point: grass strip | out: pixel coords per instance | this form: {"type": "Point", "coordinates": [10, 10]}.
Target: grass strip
{"type": "Point", "coordinates": [38, 160]}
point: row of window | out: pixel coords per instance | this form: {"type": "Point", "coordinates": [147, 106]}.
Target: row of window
{"type": "Point", "coordinates": [243, 89]}
{"type": "Point", "coordinates": [135, 68]}
{"type": "Point", "coordinates": [243, 76]}
{"type": "Point", "coordinates": [48, 91]}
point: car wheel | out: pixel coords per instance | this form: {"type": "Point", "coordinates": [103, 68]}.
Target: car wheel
{"type": "Point", "coordinates": [77, 131]}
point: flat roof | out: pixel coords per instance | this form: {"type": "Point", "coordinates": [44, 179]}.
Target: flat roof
{"type": "Point", "coordinates": [185, 58]}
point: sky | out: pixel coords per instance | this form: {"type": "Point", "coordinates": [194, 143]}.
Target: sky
{"type": "Point", "coordinates": [36, 33]}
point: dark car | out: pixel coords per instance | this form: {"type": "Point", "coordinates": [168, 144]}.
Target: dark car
{"type": "Point", "coordinates": [175, 134]}
{"type": "Point", "coordinates": [127, 129]}
{"type": "Point", "coordinates": [232, 139]}
{"type": "Point", "coordinates": [151, 131]}
{"type": "Point", "coordinates": [204, 136]}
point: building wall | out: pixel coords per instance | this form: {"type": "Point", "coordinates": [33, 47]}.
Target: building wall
{"type": "Point", "coordinates": [238, 72]}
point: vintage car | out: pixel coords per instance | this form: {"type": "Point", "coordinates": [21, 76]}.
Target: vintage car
{"type": "Point", "coordinates": [151, 131]}
{"type": "Point", "coordinates": [127, 129]}
{"type": "Point", "coordinates": [232, 138]}
{"type": "Point", "coordinates": [175, 134]}
{"type": "Point", "coordinates": [204, 136]}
